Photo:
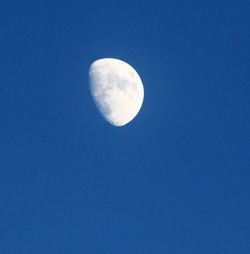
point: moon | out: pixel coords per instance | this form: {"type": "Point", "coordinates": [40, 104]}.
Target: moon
{"type": "Point", "coordinates": [117, 90]}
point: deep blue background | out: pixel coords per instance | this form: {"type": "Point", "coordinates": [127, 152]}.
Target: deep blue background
{"type": "Point", "coordinates": [176, 179]}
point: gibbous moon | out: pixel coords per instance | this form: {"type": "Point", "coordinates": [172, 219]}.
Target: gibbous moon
{"type": "Point", "coordinates": [117, 90]}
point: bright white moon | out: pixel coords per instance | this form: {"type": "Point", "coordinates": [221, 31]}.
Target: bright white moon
{"type": "Point", "coordinates": [116, 89]}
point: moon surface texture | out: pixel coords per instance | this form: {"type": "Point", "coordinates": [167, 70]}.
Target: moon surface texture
{"type": "Point", "coordinates": [117, 90]}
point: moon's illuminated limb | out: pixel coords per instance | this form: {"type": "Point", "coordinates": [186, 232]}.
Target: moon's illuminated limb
{"type": "Point", "coordinates": [116, 89]}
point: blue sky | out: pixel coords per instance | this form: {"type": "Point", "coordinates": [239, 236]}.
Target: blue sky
{"type": "Point", "coordinates": [175, 180]}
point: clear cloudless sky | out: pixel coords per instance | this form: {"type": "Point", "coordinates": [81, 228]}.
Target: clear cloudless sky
{"type": "Point", "coordinates": [175, 180]}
